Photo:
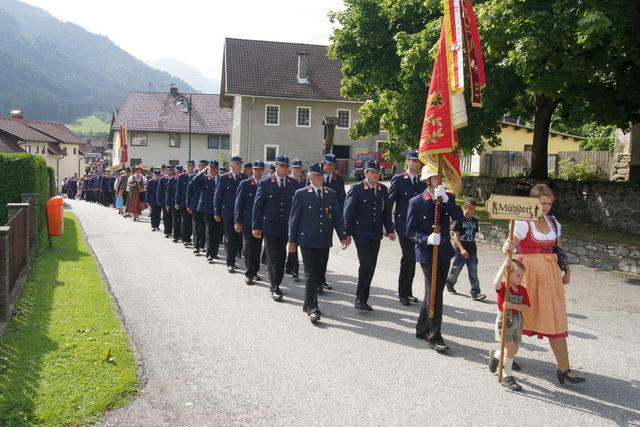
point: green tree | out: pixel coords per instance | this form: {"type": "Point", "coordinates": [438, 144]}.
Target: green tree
{"type": "Point", "coordinates": [577, 60]}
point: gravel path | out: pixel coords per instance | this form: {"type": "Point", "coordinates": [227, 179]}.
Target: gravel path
{"type": "Point", "coordinates": [216, 352]}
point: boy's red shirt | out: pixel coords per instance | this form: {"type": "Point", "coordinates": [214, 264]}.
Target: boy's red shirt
{"type": "Point", "coordinates": [518, 297]}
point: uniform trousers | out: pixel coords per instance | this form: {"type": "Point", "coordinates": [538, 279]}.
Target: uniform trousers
{"type": "Point", "coordinates": [199, 231]}
{"type": "Point", "coordinates": [293, 263]}
{"type": "Point", "coordinates": [276, 256]}
{"type": "Point", "coordinates": [430, 328]}
{"type": "Point", "coordinates": [315, 260]}
{"type": "Point", "coordinates": [156, 211]}
{"type": "Point", "coordinates": [252, 247]}
{"type": "Point", "coordinates": [407, 266]}
{"type": "Point", "coordinates": [177, 223]}
{"type": "Point", "coordinates": [186, 225]}
{"type": "Point", "coordinates": [232, 242]}
{"type": "Point", "coordinates": [167, 220]}
{"type": "Point", "coordinates": [214, 234]}
{"type": "Point", "coordinates": [368, 256]}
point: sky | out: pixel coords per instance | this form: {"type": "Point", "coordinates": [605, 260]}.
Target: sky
{"type": "Point", "coordinates": [193, 31]}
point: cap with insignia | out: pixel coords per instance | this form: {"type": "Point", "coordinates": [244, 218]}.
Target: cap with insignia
{"type": "Point", "coordinates": [222, 170]}
{"type": "Point", "coordinates": [236, 159]}
{"type": "Point", "coordinates": [296, 163]}
{"type": "Point", "coordinates": [258, 164]}
{"type": "Point", "coordinates": [248, 165]}
{"type": "Point", "coordinates": [316, 169]}
{"type": "Point", "coordinates": [179, 168]}
{"type": "Point", "coordinates": [191, 162]}
{"type": "Point", "coordinates": [214, 163]}
{"type": "Point", "coordinates": [272, 167]}
{"type": "Point", "coordinates": [412, 155]}
{"type": "Point", "coordinates": [156, 171]}
{"type": "Point", "coordinates": [330, 158]}
{"type": "Point", "coordinates": [203, 162]}
{"type": "Point", "coordinates": [282, 159]}
{"type": "Point", "coordinates": [169, 168]}
{"type": "Point", "coordinates": [372, 165]}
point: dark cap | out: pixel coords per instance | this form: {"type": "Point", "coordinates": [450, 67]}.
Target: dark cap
{"type": "Point", "coordinates": [191, 162]}
{"type": "Point", "coordinates": [236, 159]}
{"type": "Point", "coordinates": [179, 168]}
{"type": "Point", "coordinates": [282, 159]}
{"type": "Point", "coordinates": [258, 164]}
{"type": "Point", "coordinates": [248, 165]}
{"type": "Point", "coordinates": [169, 168]}
{"type": "Point", "coordinates": [203, 162]}
{"type": "Point", "coordinates": [412, 155]}
{"type": "Point", "coordinates": [214, 163]}
{"type": "Point", "coordinates": [372, 165]}
{"type": "Point", "coordinates": [272, 167]}
{"type": "Point", "coordinates": [156, 171]}
{"type": "Point", "coordinates": [222, 170]}
{"type": "Point", "coordinates": [296, 163]}
{"type": "Point", "coordinates": [330, 158]}
{"type": "Point", "coordinates": [316, 169]}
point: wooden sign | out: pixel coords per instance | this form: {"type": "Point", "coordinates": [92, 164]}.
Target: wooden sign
{"type": "Point", "coordinates": [514, 207]}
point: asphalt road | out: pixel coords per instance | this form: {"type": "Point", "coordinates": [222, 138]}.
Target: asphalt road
{"type": "Point", "coordinates": [214, 351]}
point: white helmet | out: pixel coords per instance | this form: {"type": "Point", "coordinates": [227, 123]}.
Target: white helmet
{"type": "Point", "coordinates": [427, 172]}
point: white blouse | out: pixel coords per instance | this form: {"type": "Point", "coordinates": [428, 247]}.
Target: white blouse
{"type": "Point", "coordinates": [522, 228]}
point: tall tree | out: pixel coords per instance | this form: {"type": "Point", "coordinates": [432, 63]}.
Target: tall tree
{"type": "Point", "coordinates": [579, 60]}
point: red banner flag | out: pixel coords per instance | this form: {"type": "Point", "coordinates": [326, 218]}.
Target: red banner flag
{"type": "Point", "coordinates": [124, 151]}
{"type": "Point", "coordinates": [475, 59]}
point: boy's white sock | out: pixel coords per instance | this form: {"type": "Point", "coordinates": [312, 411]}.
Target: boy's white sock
{"type": "Point", "coordinates": [497, 354]}
{"type": "Point", "coordinates": [507, 366]}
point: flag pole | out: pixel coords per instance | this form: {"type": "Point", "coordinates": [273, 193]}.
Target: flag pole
{"type": "Point", "coordinates": [435, 254]}
{"type": "Point", "coordinates": [505, 312]}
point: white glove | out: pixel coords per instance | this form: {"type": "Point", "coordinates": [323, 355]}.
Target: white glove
{"type": "Point", "coordinates": [441, 191]}
{"type": "Point", "coordinates": [433, 239]}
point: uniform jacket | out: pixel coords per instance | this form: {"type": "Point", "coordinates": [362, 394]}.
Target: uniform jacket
{"type": "Point", "coordinates": [193, 193]}
{"type": "Point", "coordinates": [225, 197]}
{"type": "Point", "coordinates": [312, 221]}
{"type": "Point", "coordinates": [205, 184]}
{"type": "Point", "coordinates": [366, 211]}
{"type": "Point", "coordinates": [337, 184]}
{"type": "Point", "coordinates": [170, 198]}
{"type": "Point", "coordinates": [272, 206]}
{"type": "Point", "coordinates": [181, 189]}
{"type": "Point", "coordinates": [402, 190]}
{"type": "Point", "coordinates": [243, 212]}
{"type": "Point", "coordinates": [420, 225]}
{"type": "Point", "coordinates": [151, 193]}
{"type": "Point", "coordinates": [161, 192]}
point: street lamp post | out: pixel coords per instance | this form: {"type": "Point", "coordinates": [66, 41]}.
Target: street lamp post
{"type": "Point", "coordinates": [186, 102]}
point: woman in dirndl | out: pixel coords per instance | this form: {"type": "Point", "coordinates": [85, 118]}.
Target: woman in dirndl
{"type": "Point", "coordinates": [545, 281]}
{"type": "Point", "coordinates": [136, 185]}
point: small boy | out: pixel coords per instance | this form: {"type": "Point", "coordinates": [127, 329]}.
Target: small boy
{"type": "Point", "coordinates": [464, 238]}
{"type": "Point", "coordinates": [518, 302]}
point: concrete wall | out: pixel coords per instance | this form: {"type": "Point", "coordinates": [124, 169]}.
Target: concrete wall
{"type": "Point", "coordinates": [158, 152]}
{"type": "Point", "coordinates": [250, 134]}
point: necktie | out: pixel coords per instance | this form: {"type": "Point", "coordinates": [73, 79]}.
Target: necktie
{"type": "Point", "coordinates": [281, 183]}
{"type": "Point", "coordinates": [319, 194]}
{"type": "Point", "coordinates": [328, 178]}
{"type": "Point", "coordinates": [415, 180]}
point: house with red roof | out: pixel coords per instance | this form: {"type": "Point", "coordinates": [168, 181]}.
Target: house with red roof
{"type": "Point", "coordinates": [62, 149]}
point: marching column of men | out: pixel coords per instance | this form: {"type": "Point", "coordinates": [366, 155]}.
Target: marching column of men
{"type": "Point", "coordinates": [288, 211]}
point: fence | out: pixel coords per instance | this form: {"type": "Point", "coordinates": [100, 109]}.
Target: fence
{"type": "Point", "coordinates": [18, 247]}
{"type": "Point", "coordinates": [504, 163]}
{"type": "Point", "coordinates": [601, 159]}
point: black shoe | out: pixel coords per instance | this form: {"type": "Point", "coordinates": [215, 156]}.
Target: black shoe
{"type": "Point", "coordinates": [248, 281]}
{"type": "Point", "coordinates": [422, 337]}
{"type": "Point", "coordinates": [511, 384]}
{"type": "Point", "coordinates": [478, 297]}
{"type": "Point", "coordinates": [175, 240]}
{"type": "Point", "coordinates": [438, 346]}
{"type": "Point", "coordinates": [210, 260]}
{"type": "Point", "coordinates": [404, 301]}
{"type": "Point", "coordinates": [451, 290]}
{"type": "Point", "coordinates": [515, 366]}
{"type": "Point", "coordinates": [413, 299]}
{"type": "Point", "coordinates": [326, 286]}
{"type": "Point", "coordinates": [493, 362]}
{"type": "Point", "coordinates": [562, 376]}
{"type": "Point", "coordinates": [231, 269]}
{"type": "Point", "coordinates": [314, 317]}
{"type": "Point", "coordinates": [276, 296]}
{"type": "Point", "coordinates": [360, 305]}
{"type": "Point", "coordinates": [167, 236]}
{"type": "Point", "coordinates": [368, 307]}
{"type": "Point", "coordinates": [294, 275]}
{"type": "Point", "coordinates": [215, 257]}
{"type": "Point", "coordinates": [257, 278]}
{"type": "Point", "coordinates": [320, 290]}
{"type": "Point", "coordinates": [196, 251]}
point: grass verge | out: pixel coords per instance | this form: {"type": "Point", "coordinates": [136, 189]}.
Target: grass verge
{"type": "Point", "coordinates": [65, 357]}
{"type": "Point", "coordinates": [570, 228]}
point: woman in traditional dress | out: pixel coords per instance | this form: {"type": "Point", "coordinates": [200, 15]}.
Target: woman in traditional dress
{"type": "Point", "coordinates": [136, 185]}
{"type": "Point", "coordinates": [544, 281]}
{"type": "Point", "coordinates": [120, 187]}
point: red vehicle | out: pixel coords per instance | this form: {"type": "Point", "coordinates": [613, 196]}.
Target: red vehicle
{"type": "Point", "coordinates": [387, 168]}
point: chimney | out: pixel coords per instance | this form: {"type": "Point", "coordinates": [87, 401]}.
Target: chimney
{"type": "Point", "coordinates": [173, 89]}
{"type": "Point", "coordinates": [17, 114]}
{"type": "Point", "coordinates": [303, 67]}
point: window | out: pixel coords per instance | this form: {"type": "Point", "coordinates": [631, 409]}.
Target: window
{"type": "Point", "coordinates": [174, 140]}
{"type": "Point", "coordinates": [139, 139]}
{"type": "Point", "coordinates": [380, 146]}
{"type": "Point", "coordinates": [528, 147]}
{"type": "Point", "coordinates": [344, 119]}
{"type": "Point", "coordinates": [75, 151]}
{"type": "Point", "coordinates": [135, 162]}
{"type": "Point", "coordinates": [272, 115]}
{"type": "Point", "coordinates": [271, 152]}
{"type": "Point", "coordinates": [304, 117]}
{"type": "Point", "coordinates": [342, 151]}
{"type": "Point", "coordinates": [219, 142]}
{"type": "Point", "coordinates": [174, 163]}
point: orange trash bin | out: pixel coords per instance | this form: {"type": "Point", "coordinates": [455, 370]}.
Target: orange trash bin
{"type": "Point", "coordinates": [55, 217]}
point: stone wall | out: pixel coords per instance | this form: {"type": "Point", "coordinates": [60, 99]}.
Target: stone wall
{"type": "Point", "coordinates": [609, 204]}
{"type": "Point", "coordinates": [581, 251]}
{"type": "Point", "coordinates": [620, 167]}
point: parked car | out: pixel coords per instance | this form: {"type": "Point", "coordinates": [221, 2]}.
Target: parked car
{"type": "Point", "coordinates": [387, 168]}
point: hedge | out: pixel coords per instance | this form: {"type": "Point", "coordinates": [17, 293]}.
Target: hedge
{"type": "Point", "coordinates": [23, 173]}
{"type": "Point", "coordinates": [53, 187]}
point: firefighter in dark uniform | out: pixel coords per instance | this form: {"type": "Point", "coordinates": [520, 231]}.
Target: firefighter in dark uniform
{"type": "Point", "coordinates": [224, 204]}
{"type": "Point", "coordinates": [171, 198]}
{"type": "Point", "coordinates": [161, 198]}
{"type": "Point", "coordinates": [151, 198]}
{"type": "Point", "coordinates": [292, 265]}
{"type": "Point", "coordinates": [186, 225]}
{"type": "Point", "coordinates": [193, 197]}
{"type": "Point", "coordinates": [206, 182]}
{"type": "Point", "coordinates": [421, 216]}
{"type": "Point", "coordinates": [366, 213]}
{"type": "Point", "coordinates": [315, 214]}
{"type": "Point", "coordinates": [404, 187]}
{"type": "Point", "coordinates": [243, 221]}
{"type": "Point", "coordinates": [247, 170]}
{"type": "Point", "coordinates": [271, 220]}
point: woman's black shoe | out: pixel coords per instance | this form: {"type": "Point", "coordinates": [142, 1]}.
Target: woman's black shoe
{"type": "Point", "coordinates": [562, 376]}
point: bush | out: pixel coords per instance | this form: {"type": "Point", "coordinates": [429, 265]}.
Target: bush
{"type": "Point", "coordinates": [23, 173]}
{"type": "Point", "coordinates": [53, 187]}
{"type": "Point", "coordinates": [584, 171]}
